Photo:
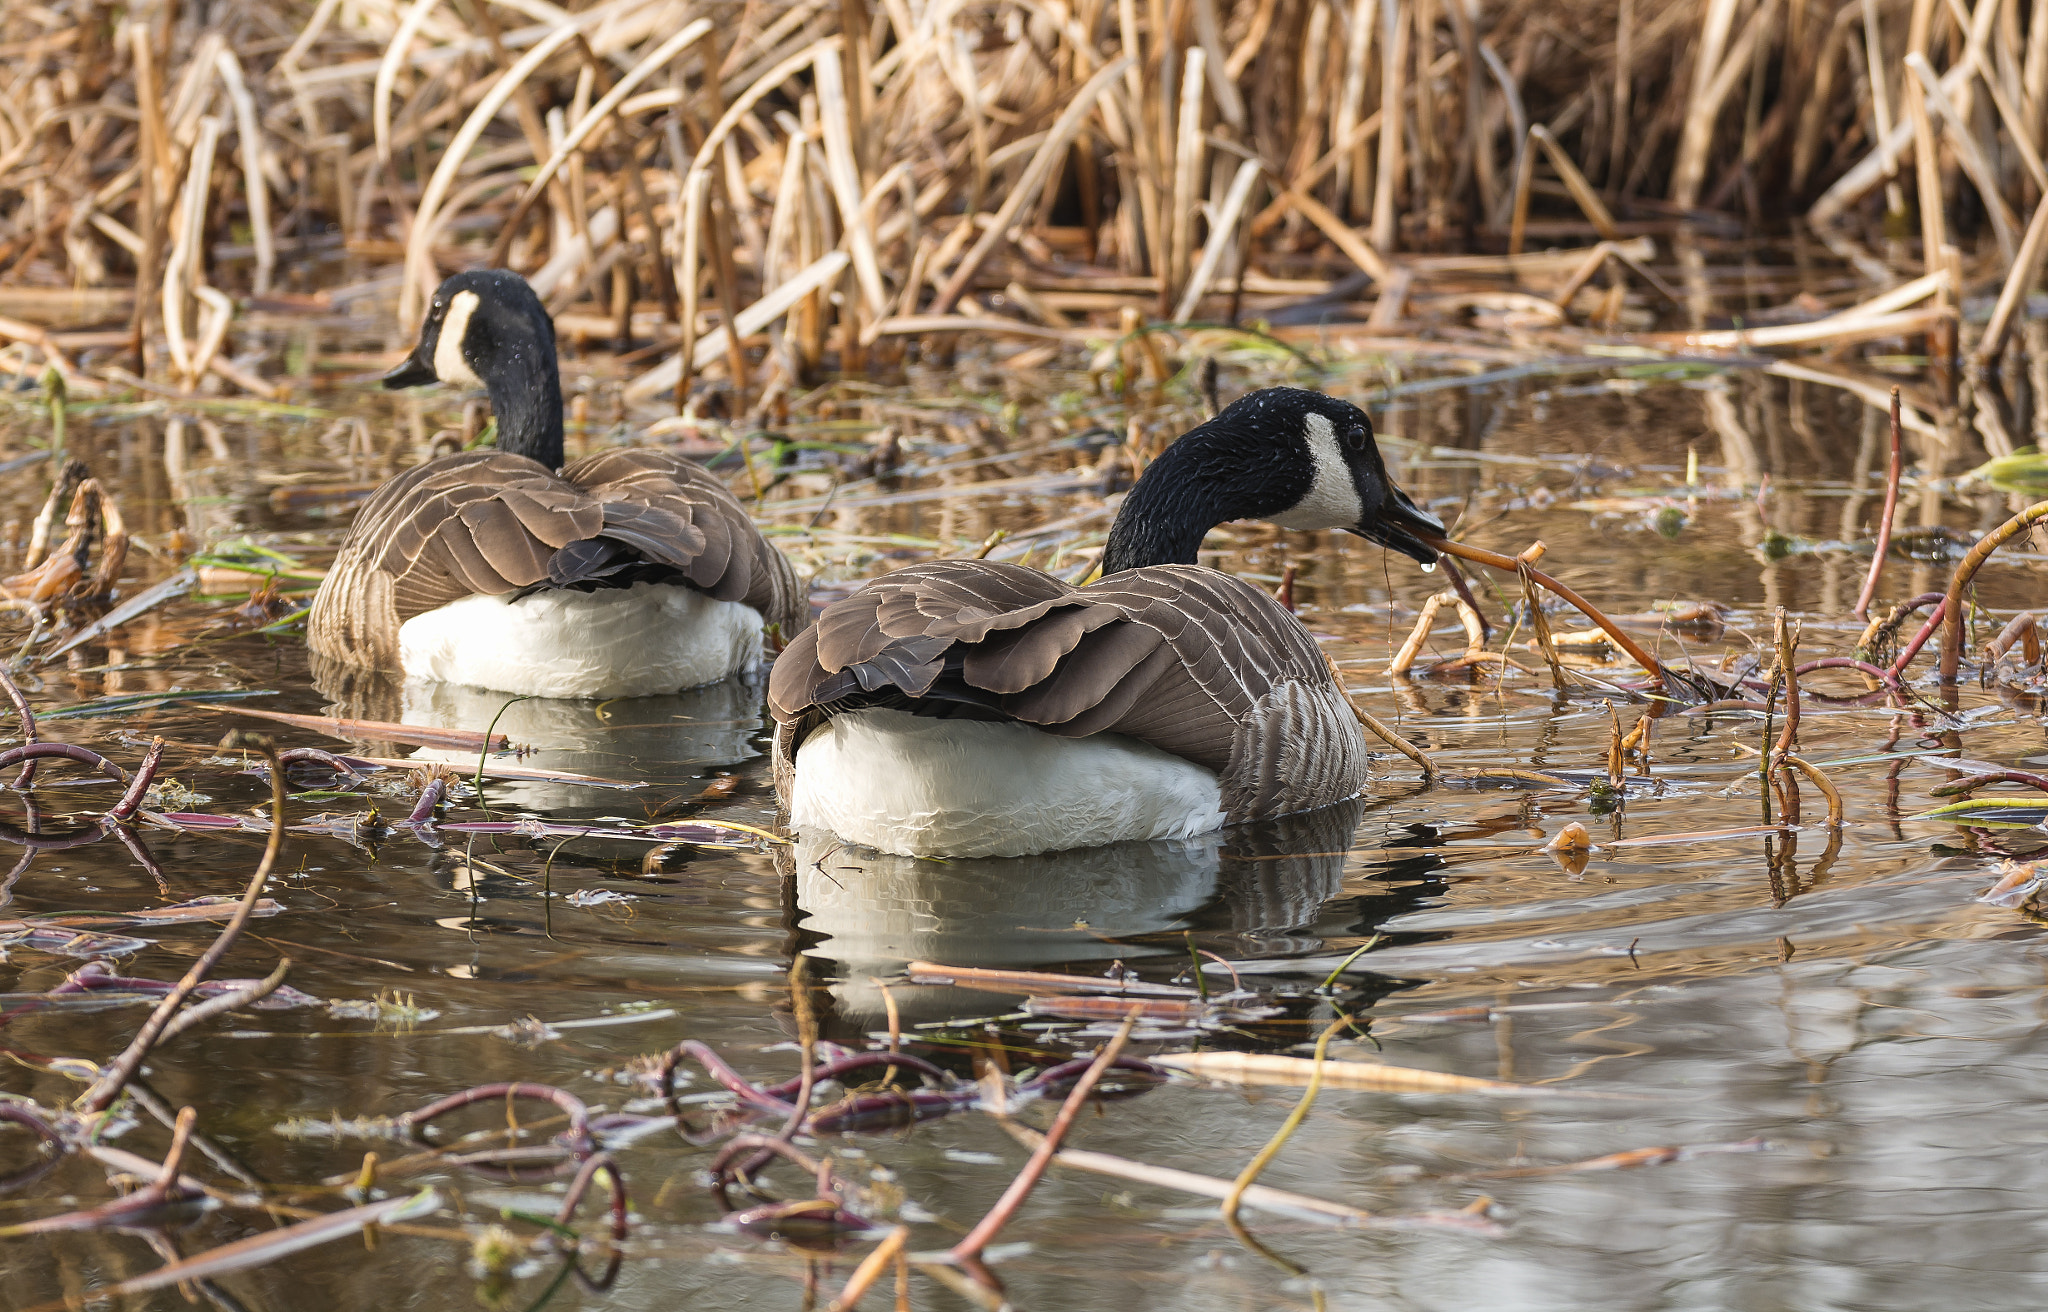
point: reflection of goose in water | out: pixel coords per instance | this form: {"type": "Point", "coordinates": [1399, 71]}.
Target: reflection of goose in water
{"type": "Point", "coordinates": [866, 913]}
{"type": "Point", "coordinates": [644, 739]}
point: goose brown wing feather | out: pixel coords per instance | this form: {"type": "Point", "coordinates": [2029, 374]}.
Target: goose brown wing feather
{"type": "Point", "coordinates": [1097, 662]}
{"type": "Point", "coordinates": [1191, 661]}
{"type": "Point", "coordinates": [1025, 658]}
{"type": "Point", "coordinates": [491, 522]}
{"type": "Point", "coordinates": [720, 551]}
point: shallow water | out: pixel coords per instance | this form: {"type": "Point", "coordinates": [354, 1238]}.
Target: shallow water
{"type": "Point", "coordinates": [1843, 998]}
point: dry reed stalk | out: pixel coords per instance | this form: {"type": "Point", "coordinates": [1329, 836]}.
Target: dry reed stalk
{"type": "Point", "coordinates": [1055, 144]}
{"type": "Point", "coordinates": [1348, 145]}
{"type": "Point", "coordinates": [1785, 638]}
{"type": "Point", "coordinates": [589, 122]}
{"type": "Point", "coordinates": [1583, 195]}
{"type": "Point", "coordinates": [2019, 278]}
{"type": "Point", "coordinates": [835, 113]}
{"type": "Point", "coordinates": [183, 270]}
{"type": "Point", "coordinates": [1189, 154]}
{"type": "Point", "coordinates": [1219, 242]}
{"type": "Point", "coordinates": [419, 275]}
{"type": "Point", "coordinates": [1980, 171]}
{"type": "Point", "coordinates": [1393, 83]}
{"type": "Point", "coordinates": [689, 278]}
{"type": "Point", "coordinates": [255, 186]}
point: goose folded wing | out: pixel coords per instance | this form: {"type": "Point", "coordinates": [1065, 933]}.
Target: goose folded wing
{"type": "Point", "coordinates": [671, 511]}
{"type": "Point", "coordinates": [1176, 660]}
{"type": "Point", "coordinates": [481, 522]}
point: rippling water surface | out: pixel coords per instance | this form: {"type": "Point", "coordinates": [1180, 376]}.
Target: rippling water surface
{"type": "Point", "coordinates": [1835, 1013]}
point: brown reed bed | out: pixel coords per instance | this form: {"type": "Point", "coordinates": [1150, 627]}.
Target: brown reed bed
{"type": "Point", "coordinates": [742, 197]}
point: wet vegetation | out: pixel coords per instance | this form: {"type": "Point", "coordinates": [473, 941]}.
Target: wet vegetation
{"type": "Point", "coordinates": [1704, 837]}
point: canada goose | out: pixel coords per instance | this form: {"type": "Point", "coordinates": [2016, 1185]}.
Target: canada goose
{"type": "Point", "coordinates": [969, 708]}
{"type": "Point", "coordinates": [631, 572]}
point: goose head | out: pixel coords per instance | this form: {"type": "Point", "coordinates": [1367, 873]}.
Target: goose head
{"type": "Point", "coordinates": [486, 328]}
{"type": "Point", "coordinates": [1291, 457]}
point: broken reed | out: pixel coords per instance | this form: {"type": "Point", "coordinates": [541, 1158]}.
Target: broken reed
{"type": "Point", "coordinates": [840, 176]}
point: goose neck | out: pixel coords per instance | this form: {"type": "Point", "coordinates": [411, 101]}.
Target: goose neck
{"type": "Point", "coordinates": [526, 397]}
{"type": "Point", "coordinates": [1164, 518]}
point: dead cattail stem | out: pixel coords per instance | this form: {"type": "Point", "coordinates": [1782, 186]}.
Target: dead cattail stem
{"type": "Point", "coordinates": [2022, 630]}
{"type": "Point", "coordinates": [1966, 569]}
{"type": "Point", "coordinates": [589, 123]}
{"type": "Point", "coordinates": [1979, 170]}
{"type": "Point", "coordinates": [968, 1250]}
{"type": "Point", "coordinates": [419, 275]}
{"type": "Point", "coordinates": [1404, 659]}
{"type": "Point", "coordinates": [1511, 564]}
{"type": "Point", "coordinates": [1393, 87]}
{"type": "Point", "coordinates": [1820, 781]}
{"type": "Point", "coordinates": [1258, 1164]}
{"type": "Point", "coordinates": [101, 1095]}
{"type": "Point", "coordinates": [1785, 637]}
{"type": "Point", "coordinates": [255, 184]}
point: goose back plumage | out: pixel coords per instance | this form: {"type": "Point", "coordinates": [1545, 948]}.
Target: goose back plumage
{"type": "Point", "coordinates": [491, 522]}
{"type": "Point", "coordinates": [1195, 663]}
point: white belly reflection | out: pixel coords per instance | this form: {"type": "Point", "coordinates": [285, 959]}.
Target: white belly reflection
{"type": "Point", "coordinates": [1253, 890]}
{"type": "Point", "coordinates": [640, 739]}
{"type": "Point", "coordinates": [875, 912]}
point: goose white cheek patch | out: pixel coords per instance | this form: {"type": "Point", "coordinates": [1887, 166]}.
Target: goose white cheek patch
{"type": "Point", "coordinates": [449, 364]}
{"type": "Point", "coordinates": [1332, 500]}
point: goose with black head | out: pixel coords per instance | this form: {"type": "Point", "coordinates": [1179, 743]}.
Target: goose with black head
{"type": "Point", "coordinates": [972, 708]}
{"type": "Point", "coordinates": [630, 572]}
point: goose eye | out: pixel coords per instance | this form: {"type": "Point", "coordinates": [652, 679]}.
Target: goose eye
{"type": "Point", "coordinates": [1355, 436]}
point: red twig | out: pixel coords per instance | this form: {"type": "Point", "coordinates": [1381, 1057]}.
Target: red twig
{"type": "Point", "coordinates": [139, 785]}
{"type": "Point", "coordinates": [1975, 781]}
{"type": "Point", "coordinates": [115, 1076]}
{"type": "Point", "coordinates": [1878, 672]}
{"type": "Point", "coordinates": [28, 726]}
{"type": "Point", "coordinates": [968, 1251]}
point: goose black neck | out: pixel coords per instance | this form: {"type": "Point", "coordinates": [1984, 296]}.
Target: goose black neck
{"type": "Point", "coordinates": [1202, 480]}
{"type": "Point", "coordinates": [526, 397]}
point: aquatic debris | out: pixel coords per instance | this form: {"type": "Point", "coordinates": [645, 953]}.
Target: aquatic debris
{"type": "Point", "coordinates": [459, 740]}
{"type": "Point", "coordinates": [270, 1245]}
{"type": "Point", "coordinates": [1571, 838]}
{"type": "Point", "coordinates": [2019, 882]}
{"type": "Point", "coordinates": [1272, 1069]}
{"type": "Point", "coordinates": [598, 897]}
{"type": "Point", "coordinates": [701, 832]}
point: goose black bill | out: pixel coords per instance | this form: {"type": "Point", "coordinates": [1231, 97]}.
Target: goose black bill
{"type": "Point", "coordinates": [412, 371]}
{"type": "Point", "coordinates": [1401, 525]}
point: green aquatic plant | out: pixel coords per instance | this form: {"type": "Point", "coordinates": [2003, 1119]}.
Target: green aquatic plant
{"type": "Point", "coordinates": [2025, 471]}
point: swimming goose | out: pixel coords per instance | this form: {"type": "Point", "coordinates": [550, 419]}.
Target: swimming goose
{"type": "Point", "coordinates": [969, 708]}
{"type": "Point", "coordinates": [631, 572]}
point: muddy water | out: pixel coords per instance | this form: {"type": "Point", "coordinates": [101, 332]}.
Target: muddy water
{"type": "Point", "coordinates": [1847, 1039]}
